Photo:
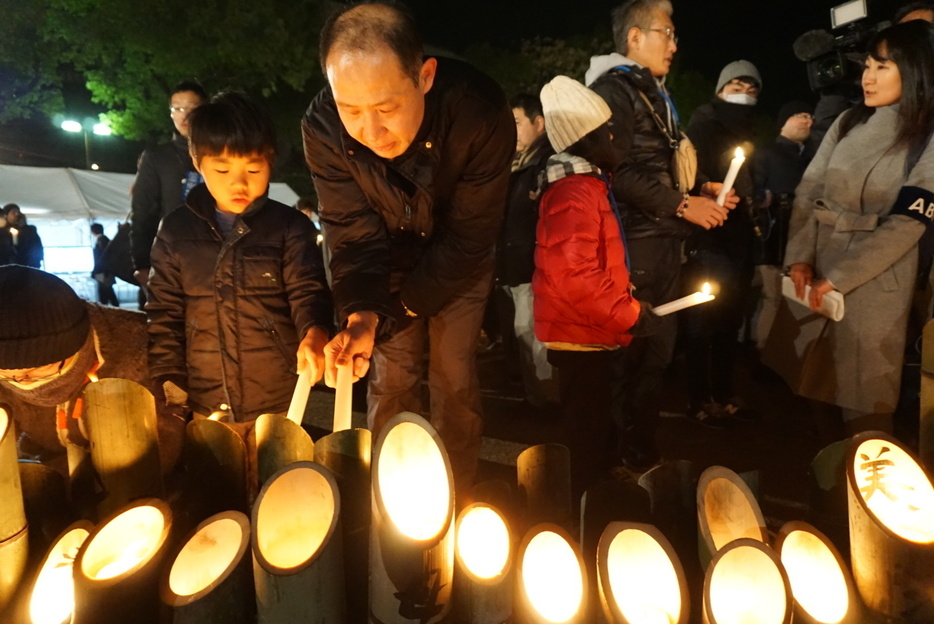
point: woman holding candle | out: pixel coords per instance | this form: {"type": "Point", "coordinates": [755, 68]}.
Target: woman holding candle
{"type": "Point", "coordinates": [584, 308]}
{"type": "Point", "coordinates": [859, 212]}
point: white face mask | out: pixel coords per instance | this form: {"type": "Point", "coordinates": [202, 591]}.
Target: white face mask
{"type": "Point", "coordinates": [740, 98]}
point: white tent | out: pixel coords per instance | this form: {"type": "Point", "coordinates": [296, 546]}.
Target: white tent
{"type": "Point", "coordinates": [62, 203]}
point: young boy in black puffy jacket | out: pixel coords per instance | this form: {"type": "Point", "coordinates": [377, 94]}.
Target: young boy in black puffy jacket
{"type": "Point", "coordinates": [238, 299]}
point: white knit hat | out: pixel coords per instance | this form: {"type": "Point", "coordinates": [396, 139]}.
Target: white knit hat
{"type": "Point", "coordinates": [571, 111]}
{"type": "Point", "coordinates": [737, 69]}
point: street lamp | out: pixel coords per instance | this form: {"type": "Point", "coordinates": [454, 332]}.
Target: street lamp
{"type": "Point", "coordinates": [100, 129]}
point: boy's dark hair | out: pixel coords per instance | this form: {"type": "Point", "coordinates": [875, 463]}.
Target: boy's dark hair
{"type": "Point", "coordinates": [911, 7]}
{"type": "Point", "coordinates": [368, 26]}
{"type": "Point", "coordinates": [530, 105]}
{"type": "Point", "coordinates": [97, 228]}
{"type": "Point", "coordinates": [190, 85]}
{"type": "Point", "coordinates": [234, 122]}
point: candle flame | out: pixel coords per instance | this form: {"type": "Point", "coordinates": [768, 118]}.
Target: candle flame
{"type": "Point", "coordinates": [92, 377]}
{"type": "Point", "coordinates": [739, 153]}
{"type": "Point", "coordinates": [706, 288]}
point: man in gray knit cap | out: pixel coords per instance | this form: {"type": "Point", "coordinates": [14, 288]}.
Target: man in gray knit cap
{"type": "Point", "coordinates": [52, 343]}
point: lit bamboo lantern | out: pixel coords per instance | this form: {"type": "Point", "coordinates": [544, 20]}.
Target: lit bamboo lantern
{"type": "Point", "coordinates": [297, 550]}
{"type": "Point", "coordinates": [279, 442]}
{"type": "Point", "coordinates": [121, 425]}
{"type": "Point", "coordinates": [891, 506]}
{"type": "Point", "coordinates": [746, 584]}
{"type": "Point", "coordinates": [483, 589]}
{"type": "Point", "coordinates": [412, 530]}
{"type": "Point", "coordinates": [210, 579]}
{"type": "Point", "coordinates": [217, 454]}
{"type": "Point", "coordinates": [552, 583]}
{"type": "Point", "coordinates": [117, 570]}
{"type": "Point", "coordinates": [544, 478]}
{"type": "Point", "coordinates": [640, 577]}
{"type": "Point", "coordinates": [52, 600]}
{"type": "Point", "coordinates": [726, 510]}
{"type": "Point", "coordinates": [14, 533]}
{"type": "Point", "coordinates": [346, 454]}
{"type": "Point", "coordinates": [820, 581]}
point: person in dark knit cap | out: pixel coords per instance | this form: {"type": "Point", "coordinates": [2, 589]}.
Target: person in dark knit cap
{"type": "Point", "coordinates": [52, 343]}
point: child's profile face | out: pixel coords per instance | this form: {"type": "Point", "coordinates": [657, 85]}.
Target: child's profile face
{"type": "Point", "coordinates": [235, 182]}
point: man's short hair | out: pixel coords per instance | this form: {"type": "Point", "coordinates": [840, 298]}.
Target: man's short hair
{"type": "Point", "coordinates": [234, 122]}
{"type": "Point", "coordinates": [911, 7]}
{"type": "Point", "coordinates": [635, 14]}
{"type": "Point", "coordinates": [9, 208]}
{"type": "Point", "coordinates": [531, 105]}
{"type": "Point", "coordinates": [190, 85]}
{"type": "Point", "coordinates": [97, 228]}
{"type": "Point", "coordinates": [369, 26]}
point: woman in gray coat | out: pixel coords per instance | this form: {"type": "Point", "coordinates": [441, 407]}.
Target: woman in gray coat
{"type": "Point", "coordinates": [859, 212]}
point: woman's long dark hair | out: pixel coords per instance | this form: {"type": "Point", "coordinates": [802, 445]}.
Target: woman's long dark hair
{"type": "Point", "coordinates": [911, 47]}
{"type": "Point", "coordinates": [596, 147]}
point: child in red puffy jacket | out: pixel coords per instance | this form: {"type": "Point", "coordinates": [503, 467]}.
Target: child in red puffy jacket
{"type": "Point", "coordinates": [584, 308]}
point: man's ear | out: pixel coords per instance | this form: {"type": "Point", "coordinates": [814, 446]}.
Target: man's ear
{"type": "Point", "coordinates": [633, 39]}
{"type": "Point", "coordinates": [426, 75]}
{"type": "Point", "coordinates": [539, 124]}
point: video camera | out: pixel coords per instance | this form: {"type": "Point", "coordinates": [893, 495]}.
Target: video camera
{"type": "Point", "coordinates": [835, 59]}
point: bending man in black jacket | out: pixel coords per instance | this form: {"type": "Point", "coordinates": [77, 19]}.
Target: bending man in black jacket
{"type": "Point", "coordinates": [410, 158]}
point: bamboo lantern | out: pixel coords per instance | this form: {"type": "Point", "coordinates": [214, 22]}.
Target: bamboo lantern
{"type": "Point", "coordinates": [926, 429]}
{"type": "Point", "coordinates": [820, 581]}
{"type": "Point", "coordinates": [297, 551]}
{"type": "Point", "coordinates": [210, 579]}
{"type": "Point", "coordinates": [279, 442]}
{"type": "Point", "coordinates": [121, 424]}
{"type": "Point", "coordinates": [483, 588]}
{"type": "Point", "coordinates": [552, 585]}
{"type": "Point", "coordinates": [891, 505]}
{"type": "Point", "coordinates": [117, 570]}
{"type": "Point", "coordinates": [726, 511]}
{"type": "Point", "coordinates": [14, 532]}
{"type": "Point", "coordinates": [52, 600]}
{"type": "Point", "coordinates": [746, 584]}
{"type": "Point", "coordinates": [412, 529]}
{"type": "Point", "coordinates": [347, 455]}
{"type": "Point", "coordinates": [44, 492]}
{"type": "Point", "coordinates": [544, 479]}
{"type": "Point", "coordinates": [217, 455]}
{"type": "Point", "coordinates": [640, 578]}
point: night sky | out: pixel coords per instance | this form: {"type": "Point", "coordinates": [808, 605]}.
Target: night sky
{"type": "Point", "coordinates": [712, 32]}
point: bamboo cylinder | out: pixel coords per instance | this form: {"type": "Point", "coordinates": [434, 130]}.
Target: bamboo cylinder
{"type": "Point", "coordinates": [726, 511]}
{"type": "Point", "coordinates": [121, 424]}
{"type": "Point", "coordinates": [347, 455]}
{"type": "Point", "coordinates": [210, 579]}
{"type": "Point", "coordinates": [217, 455]}
{"type": "Point", "coordinates": [821, 583]}
{"type": "Point", "coordinates": [412, 530]}
{"type": "Point", "coordinates": [552, 580]}
{"type": "Point", "coordinates": [745, 582]}
{"type": "Point", "coordinates": [891, 506]}
{"type": "Point", "coordinates": [297, 550]}
{"type": "Point", "coordinates": [14, 534]}
{"type": "Point", "coordinates": [52, 596]}
{"type": "Point", "coordinates": [483, 579]}
{"type": "Point", "coordinates": [44, 495]}
{"type": "Point", "coordinates": [279, 442]}
{"type": "Point", "coordinates": [544, 479]}
{"type": "Point", "coordinates": [117, 569]}
{"type": "Point", "coordinates": [639, 576]}
{"type": "Point", "coordinates": [926, 429]}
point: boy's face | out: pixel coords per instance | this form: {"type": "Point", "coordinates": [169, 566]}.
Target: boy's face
{"type": "Point", "coordinates": [235, 182]}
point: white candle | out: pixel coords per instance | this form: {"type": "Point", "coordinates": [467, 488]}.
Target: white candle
{"type": "Point", "coordinates": [343, 397]}
{"type": "Point", "coordinates": [735, 164]}
{"type": "Point", "coordinates": [300, 396]}
{"type": "Point", "coordinates": [702, 296]}
{"type": "Point", "coordinates": [15, 234]}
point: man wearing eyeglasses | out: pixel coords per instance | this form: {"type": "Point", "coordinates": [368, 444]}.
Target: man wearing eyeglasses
{"type": "Point", "coordinates": [163, 179]}
{"type": "Point", "coordinates": [656, 215]}
{"type": "Point", "coordinates": [52, 344]}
